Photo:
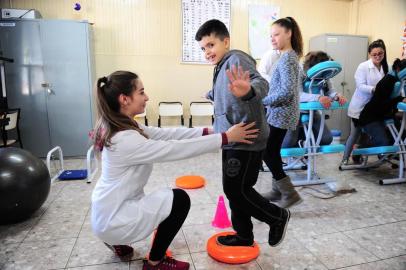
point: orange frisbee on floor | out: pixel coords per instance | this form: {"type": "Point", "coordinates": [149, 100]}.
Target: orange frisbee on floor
{"type": "Point", "coordinates": [190, 182]}
{"type": "Point", "coordinates": [231, 255]}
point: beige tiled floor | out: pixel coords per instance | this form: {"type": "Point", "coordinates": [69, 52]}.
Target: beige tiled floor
{"type": "Point", "coordinates": [365, 230]}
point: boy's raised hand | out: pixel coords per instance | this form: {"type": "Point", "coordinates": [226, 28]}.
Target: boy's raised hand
{"type": "Point", "coordinates": [239, 81]}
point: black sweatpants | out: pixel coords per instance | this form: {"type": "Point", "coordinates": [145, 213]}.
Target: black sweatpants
{"type": "Point", "coordinates": [272, 154]}
{"type": "Point", "coordinates": [240, 173]}
{"type": "Point", "coordinates": [168, 228]}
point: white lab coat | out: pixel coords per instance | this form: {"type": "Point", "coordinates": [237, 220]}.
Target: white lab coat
{"type": "Point", "coordinates": [121, 212]}
{"type": "Point", "coordinates": [366, 77]}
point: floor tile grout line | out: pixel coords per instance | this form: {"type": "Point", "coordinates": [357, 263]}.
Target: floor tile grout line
{"type": "Point", "coordinates": [52, 239]}
{"type": "Point", "coordinates": [77, 238]}
{"type": "Point", "coordinates": [106, 263]}
{"type": "Point", "coordinates": [380, 260]}
{"type": "Point", "coordinates": [188, 248]}
{"type": "Point", "coordinates": [36, 222]}
{"type": "Point", "coordinates": [373, 226]}
{"type": "Point", "coordinates": [372, 252]}
{"type": "Point", "coordinates": [353, 240]}
{"type": "Point", "coordinates": [360, 228]}
{"type": "Point", "coordinates": [304, 246]}
{"type": "Point", "coordinates": [58, 238]}
{"type": "Point", "coordinates": [345, 232]}
{"type": "Point", "coordinates": [329, 233]}
{"type": "Point", "coordinates": [39, 218]}
{"type": "Point", "coordinates": [257, 263]}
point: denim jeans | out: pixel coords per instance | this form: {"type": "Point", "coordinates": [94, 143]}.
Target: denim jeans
{"type": "Point", "coordinates": [377, 133]}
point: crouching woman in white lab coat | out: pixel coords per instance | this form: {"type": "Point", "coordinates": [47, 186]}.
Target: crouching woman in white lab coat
{"type": "Point", "coordinates": [121, 212]}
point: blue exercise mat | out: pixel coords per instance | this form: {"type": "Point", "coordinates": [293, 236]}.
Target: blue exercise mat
{"type": "Point", "coordinates": [73, 175]}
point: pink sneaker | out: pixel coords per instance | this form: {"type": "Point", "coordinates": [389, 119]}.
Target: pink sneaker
{"type": "Point", "coordinates": [121, 250]}
{"type": "Point", "coordinates": [168, 263]}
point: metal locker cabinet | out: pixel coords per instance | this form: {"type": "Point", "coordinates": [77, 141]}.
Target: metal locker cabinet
{"type": "Point", "coordinates": [65, 49]}
{"type": "Point", "coordinates": [21, 40]}
{"type": "Point", "coordinates": [51, 81]}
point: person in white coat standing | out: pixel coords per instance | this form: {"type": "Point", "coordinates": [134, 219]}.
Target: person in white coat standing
{"type": "Point", "coordinates": [368, 74]}
{"type": "Point", "coordinates": [266, 65]}
{"type": "Point", "coordinates": [121, 212]}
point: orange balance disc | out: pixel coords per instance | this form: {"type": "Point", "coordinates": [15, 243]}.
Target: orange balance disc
{"type": "Point", "coordinates": [232, 255]}
{"type": "Point", "coordinates": [190, 181]}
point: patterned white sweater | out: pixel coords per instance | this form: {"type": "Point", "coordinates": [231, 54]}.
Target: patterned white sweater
{"type": "Point", "coordinates": [282, 101]}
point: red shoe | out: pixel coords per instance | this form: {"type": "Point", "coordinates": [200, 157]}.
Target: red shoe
{"type": "Point", "coordinates": [121, 250]}
{"type": "Point", "coordinates": [168, 263]}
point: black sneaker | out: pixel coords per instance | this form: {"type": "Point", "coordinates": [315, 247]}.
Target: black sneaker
{"type": "Point", "coordinates": [277, 231]}
{"type": "Point", "coordinates": [234, 240]}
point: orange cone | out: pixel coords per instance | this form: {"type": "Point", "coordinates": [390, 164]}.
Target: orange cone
{"type": "Point", "coordinates": [221, 219]}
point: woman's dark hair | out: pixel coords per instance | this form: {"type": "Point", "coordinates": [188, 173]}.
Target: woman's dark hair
{"type": "Point", "coordinates": [313, 58]}
{"type": "Point", "coordinates": [111, 120]}
{"type": "Point", "coordinates": [380, 44]}
{"type": "Point", "coordinates": [296, 39]}
{"type": "Point", "coordinates": [399, 64]}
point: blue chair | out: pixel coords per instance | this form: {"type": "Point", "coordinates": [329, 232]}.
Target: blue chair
{"type": "Point", "coordinates": [317, 77]}
{"type": "Point", "coordinates": [399, 90]}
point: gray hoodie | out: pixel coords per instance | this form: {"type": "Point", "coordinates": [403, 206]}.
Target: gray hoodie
{"type": "Point", "coordinates": [230, 110]}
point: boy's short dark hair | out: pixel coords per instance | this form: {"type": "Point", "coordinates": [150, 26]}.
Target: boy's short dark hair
{"type": "Point", "coordinates": [313, 58]}
{"type": "Point", "coordinates": [216, 27]}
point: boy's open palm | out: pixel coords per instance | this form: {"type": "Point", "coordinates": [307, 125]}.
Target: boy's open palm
{"type": "Point", "coordinates": [239, 81]}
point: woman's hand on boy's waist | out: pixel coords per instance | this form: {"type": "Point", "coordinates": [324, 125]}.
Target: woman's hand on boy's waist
{"type": "Point", "coordinates": [242, 133]}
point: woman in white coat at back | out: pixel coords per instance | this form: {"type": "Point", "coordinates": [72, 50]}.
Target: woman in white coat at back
{"type": "Point", "coordinates": [368, 74]}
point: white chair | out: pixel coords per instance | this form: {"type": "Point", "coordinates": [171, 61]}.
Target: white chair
{"type": "Point", "coordinates": [13, 116]}
{"type": "Point", "coordinates": [201, 109]}
{"type": "Point", "coordinates": [170, 109]}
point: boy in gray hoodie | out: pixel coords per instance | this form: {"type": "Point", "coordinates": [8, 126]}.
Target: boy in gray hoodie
{"type": "Point", "coordinates": [237, 93]}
